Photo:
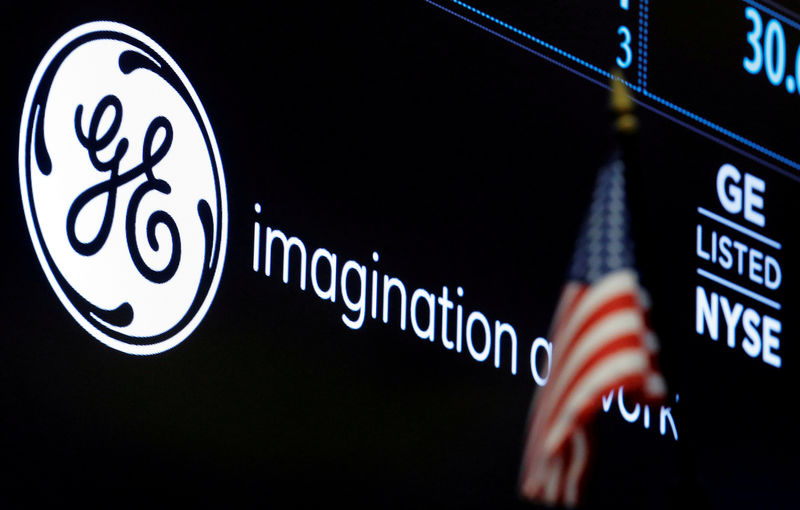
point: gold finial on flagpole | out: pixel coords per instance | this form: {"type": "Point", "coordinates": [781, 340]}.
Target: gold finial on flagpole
{"type": "Point", "coordinates": [622, 105]}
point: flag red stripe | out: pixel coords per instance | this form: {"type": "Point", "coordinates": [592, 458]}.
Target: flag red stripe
{"type": "Point", "coordinates": [612, 347]}
{"type": "Point", "coordinates": [599, 343]}
{"type": "Point", "coordinates": [613, 304]}
{"type": "Point", "coordinates": [571, 297]}
{"type": "Point", "coordinates": [555, 390]}
{"type": "Point", "coordinates": [537, 459]}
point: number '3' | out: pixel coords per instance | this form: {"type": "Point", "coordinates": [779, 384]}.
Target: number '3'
{"type": "Point", "coordinates": [626, 47]}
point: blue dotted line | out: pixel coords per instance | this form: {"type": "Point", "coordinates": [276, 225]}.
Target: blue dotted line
{"type": "Point", "coordinates": [723, 130]}
{"type": "Point", "coordinates": [640, 53]}
{"type": "Point", "coordinates": [673, 106]}
{"type": "Point", "coordinates": [542, 55]}
{"type": "Point", "coordinates": [774, 14]}
{"type": "Point", "coordinates": [540, 42]}
{"type": "Point", "coordinates": [646, 22]}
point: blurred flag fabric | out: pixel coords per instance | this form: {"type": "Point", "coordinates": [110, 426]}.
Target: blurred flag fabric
{"type": "Point", "coordinates": [601, 340]}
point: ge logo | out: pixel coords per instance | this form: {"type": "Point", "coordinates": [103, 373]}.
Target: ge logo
{"type": "Point", "coordinates": [123, 188]}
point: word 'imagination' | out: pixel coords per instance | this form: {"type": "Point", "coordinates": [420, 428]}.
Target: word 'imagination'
{"type": "Point", "coordinates": [423, 309]}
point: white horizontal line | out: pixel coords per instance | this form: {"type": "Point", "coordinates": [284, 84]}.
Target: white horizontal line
{"type": "Point", "coordinates": [755, 235]}
{"type": "Point", "coordinates": [739, 288]}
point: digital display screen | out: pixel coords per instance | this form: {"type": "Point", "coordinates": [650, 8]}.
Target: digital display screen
{"type": "Point", "coordinates": [372, 253]}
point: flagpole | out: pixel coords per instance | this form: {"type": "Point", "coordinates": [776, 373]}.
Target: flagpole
{"type": "Point", "coordinates": [626, 127]}
{"type": "Point", "coordinates": [600, 332]}
{"type": "Point", "coordinates": [689, 492]}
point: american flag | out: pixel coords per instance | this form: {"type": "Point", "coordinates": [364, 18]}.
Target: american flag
{"type": "Point", "coordinates": [601, 340]}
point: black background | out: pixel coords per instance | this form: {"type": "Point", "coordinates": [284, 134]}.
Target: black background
{"type": "Point", "coordinates": [461, 160]}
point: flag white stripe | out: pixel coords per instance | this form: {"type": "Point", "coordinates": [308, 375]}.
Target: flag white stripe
{"type": "Point", "coordinates": [600, 339]}
{"type": "Point", "coordinates": [551, 488]}
{"type": "Point", "coordinates": [615, 367]}
{"type": "Point", "coordinates": [577, 465]}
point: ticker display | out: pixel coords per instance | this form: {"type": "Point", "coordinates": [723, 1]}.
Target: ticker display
{"type": "Point", "coordinates": [455, 253]}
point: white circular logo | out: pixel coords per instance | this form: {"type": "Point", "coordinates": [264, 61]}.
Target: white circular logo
{"type": "Point", "coordinates": [123, 188]}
